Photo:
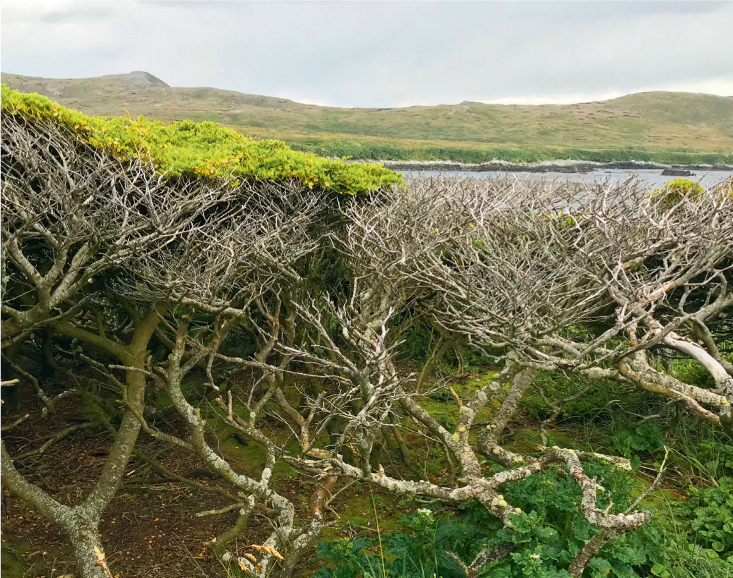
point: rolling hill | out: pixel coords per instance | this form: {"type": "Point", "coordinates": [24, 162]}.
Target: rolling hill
{"type": "Point", "coordinates": [654, 122]}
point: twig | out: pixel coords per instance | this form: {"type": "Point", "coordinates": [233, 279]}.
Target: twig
{"type": "Point", "coordinates": [654, 484]}
{"type": "Point", "coordinates": [16, 422]}
{"type": "Point", "coordinates": [223, 510]}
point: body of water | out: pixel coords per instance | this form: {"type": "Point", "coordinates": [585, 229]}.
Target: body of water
{"type": "Point", "coordinates": [652, 176]}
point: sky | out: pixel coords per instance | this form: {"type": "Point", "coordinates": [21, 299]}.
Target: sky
{"type": "Point", "coordinates": [382, 54]}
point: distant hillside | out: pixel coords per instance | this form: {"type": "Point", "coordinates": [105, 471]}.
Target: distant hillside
{"type": "Point", "coordinates": [652, 121]}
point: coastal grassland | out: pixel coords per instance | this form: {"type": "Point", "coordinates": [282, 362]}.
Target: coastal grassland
{"type": "Point", "coordinates": [404, 149]}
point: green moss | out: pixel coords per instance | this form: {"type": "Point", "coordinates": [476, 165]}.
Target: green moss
{"type": "Point", "coordinates": [12, 561]}
{"type": "Point", "coordinates": [204, 149]}
{"type": "Point", "coordinates": [19, 559]}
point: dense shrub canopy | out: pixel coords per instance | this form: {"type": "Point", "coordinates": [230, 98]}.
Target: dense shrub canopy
{"type": "Point", "coordinates": [203, 149]}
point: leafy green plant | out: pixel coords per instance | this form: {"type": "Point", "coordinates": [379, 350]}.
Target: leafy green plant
{"type": "Point", "coordinates": [348, 559]}
{"type": "Point", "coordinates": [684, 558]}
{"type": "Point", "coordinates": [550, 531]}
{"type": "Point", "coordinates": [545, 537]}
{"type": "Point", "coordinates": [421, 552]}
{"type": "Point", "coordinates": [645, 438]}
{"type": "Point", "coordinates": [710, 514]}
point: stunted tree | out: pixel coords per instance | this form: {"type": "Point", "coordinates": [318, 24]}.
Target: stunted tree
{"type": "Point", "coordinates": [634, 268]}
{"type": "Point", "coordinates": [81, 228]}
{"type": "Point", "coordinates": [103, 254]}
{"type": "Point", "coordinates": [242, 274]}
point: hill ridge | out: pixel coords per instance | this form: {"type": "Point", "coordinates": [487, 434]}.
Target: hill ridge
{"type": "Point", "coordinates": [651, 120]}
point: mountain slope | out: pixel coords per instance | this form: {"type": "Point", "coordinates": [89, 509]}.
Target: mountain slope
{"type": "Point", "coordinates": [648, 121]}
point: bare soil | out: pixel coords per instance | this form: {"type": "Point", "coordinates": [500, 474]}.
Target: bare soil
{"type": "Point", "coordinates": [151, 528]}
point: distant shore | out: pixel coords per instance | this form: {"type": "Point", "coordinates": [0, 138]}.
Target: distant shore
{"type": "Point", "coordinates": [541, 167]}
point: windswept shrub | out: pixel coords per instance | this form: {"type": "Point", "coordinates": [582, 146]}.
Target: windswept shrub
{"type": "Point", "coordinates": [675, 191]}
{"type": "Point", "coordinates": [204, 149]}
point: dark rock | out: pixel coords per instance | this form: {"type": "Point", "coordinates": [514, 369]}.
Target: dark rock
{"type": "Point", "coordinates": [677, 173]}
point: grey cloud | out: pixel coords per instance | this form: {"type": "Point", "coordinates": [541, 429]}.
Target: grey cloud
{"type": "Point", "coordinates": [192, 5]}
{"type": "Point", "coordinates": [95, 14]}
{"type": "Point", "coordinates": [387, 53]}
{"type": "Point", "coordinates": [50, 12]}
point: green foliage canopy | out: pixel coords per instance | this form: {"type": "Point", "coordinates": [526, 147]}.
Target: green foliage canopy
{"type": "Point", "coordinates": [204, 149]}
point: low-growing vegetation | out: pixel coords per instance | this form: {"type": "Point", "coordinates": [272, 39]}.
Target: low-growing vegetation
{"type": "Point", "coordinates": [231, 372]}
{"type": "Point", "coordinates": [370, 149]}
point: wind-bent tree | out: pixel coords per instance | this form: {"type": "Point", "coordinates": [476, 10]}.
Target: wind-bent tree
{"type": "Point", "coordinates": [76, 221]}
{"type": "Point", "coordinates": [516, 267]}
{"type": "Point", "coordinates": [106, 252]}
{"type": "Point", "coordinates": [633, 268]}
{"type": "Point", "coordinates": [245, 274]}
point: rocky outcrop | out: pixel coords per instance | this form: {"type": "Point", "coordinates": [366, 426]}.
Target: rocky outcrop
{"type": "Point", "coordinates": [677, 173]}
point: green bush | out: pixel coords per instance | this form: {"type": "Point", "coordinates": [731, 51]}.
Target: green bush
{"type": "Point", "coordinates": [551, 531]}
{"type": "Point", "coordinates": [204, 149]}
{"type": "Point", "coordinates": [674, 191]}
{"type": "Point", "coordinates": [710, 515]}
{"type": "Point", "coordinates": [546, 537]}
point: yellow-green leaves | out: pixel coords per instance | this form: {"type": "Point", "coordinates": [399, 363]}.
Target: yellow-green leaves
{"type": "Point", "coordinates": [204, 149]}
{"type": "Point", "coordinates": [675, 191]}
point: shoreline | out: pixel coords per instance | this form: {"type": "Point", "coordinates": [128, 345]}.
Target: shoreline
{"type": "Point", "coordinates": [541, 167]}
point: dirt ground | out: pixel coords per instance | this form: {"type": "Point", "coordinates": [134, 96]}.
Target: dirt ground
{"type": "Point", "coordinates": [150, 529]}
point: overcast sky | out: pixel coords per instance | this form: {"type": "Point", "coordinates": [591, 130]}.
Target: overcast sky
{"type": "Point", "coordinates": [383, 53]}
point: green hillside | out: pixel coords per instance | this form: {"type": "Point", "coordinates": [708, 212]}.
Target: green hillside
{"type": "Point", "coordinates": [653, 121]}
